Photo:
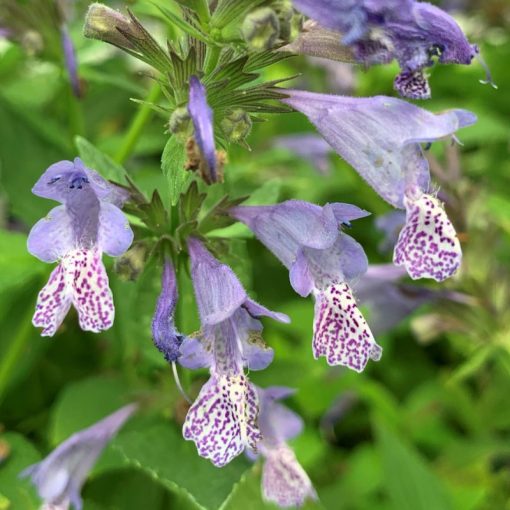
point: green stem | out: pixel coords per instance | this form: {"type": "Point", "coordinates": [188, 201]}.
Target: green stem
{"type": "Point", "coordinates": [15, 351]}
{"type": "Point", "coordinates": [211, 58]}
{"type": "Point", "coordinates": [76, 118]}
{"type": "Point", "coordinates": [137, 125]}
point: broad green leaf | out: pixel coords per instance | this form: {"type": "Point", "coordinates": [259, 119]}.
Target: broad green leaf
{"type": "Point", "coordinates": [172, 164]}
{"type": "Point", "coordinates": [160, 450]}
{"type": "Point", "coordinates": [100, 162]}
{"type": "Point", "coordinates": [409, 481]}
{"type": "Point", "coordinates": [19, 493]}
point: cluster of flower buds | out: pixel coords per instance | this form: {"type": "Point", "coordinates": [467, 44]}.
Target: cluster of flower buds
{"type": "Point", "coordinates": [380, 137]}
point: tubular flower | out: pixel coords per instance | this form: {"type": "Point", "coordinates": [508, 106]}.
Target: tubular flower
{"type": "Point", "coordinates": [61, 475]}
{"type": "Point", "coordinates": [76, 233]}
{"type": "Point", "coordinates": [223, 420]}
{"type": "Point", "coordinates": [413, 33]}
{"type": "Point", "coordinates": [202, 118]}
{"type": "Point", "coordinates": [380, 138]}
{"type": "Point", "coordinates": [321, 260]}
{"type": "Point", "coordinates": [284, 481]}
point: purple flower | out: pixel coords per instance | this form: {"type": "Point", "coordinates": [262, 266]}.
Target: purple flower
{"type": "Point", "coordinates": [379, 31]}
{"type": "Point", "coordinates": [308, 146]}
{"type": "Point", "coordinates": [166, 338]}
{"type": "Point", "coordinates": [321, 260]}
{"type": "Point", "coordinates": [70, 60]}
{"type": "Point", "coordinates": [76, 234]}
{"type": "Point", "coordinates": [61, 475]}
{"type": "Point", "coordinates": [202, 118]}
{"type": "Point", "coordinates": [284, 481]}
{"type": "Point", "coordinates": [223, 419]}
{"type": "Point", "coordinates": [380, 137]}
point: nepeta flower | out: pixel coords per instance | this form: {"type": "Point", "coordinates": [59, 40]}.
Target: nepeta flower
{"type": "Point", "coordinates": [321, 260]}
{"type": "Point", "coordinates": [223, 419]}
{"type": "Point", "coordinates": [202, 118]}
{"type": "Point", "coordinates": [284, 481]}
{"type": "Point", "coordinates": [61, 475]}
{"type": "Point", "coordinates": [380, 137]}
{"type": "Point", "coordinates": [413, 33]}
{"type": "Point", "coordinates": [76, 234]}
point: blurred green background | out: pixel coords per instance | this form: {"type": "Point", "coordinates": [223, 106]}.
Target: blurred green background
{"type": "Point", "coordinates": [426, 428]}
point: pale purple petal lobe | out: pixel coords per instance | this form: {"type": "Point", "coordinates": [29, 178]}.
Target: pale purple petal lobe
{"type": "Point", "coordinates": [341, 333]}
{"type": "Point", "coordinates": [428, 245]}
{"type": "Point", "coordinates": [115, 235]}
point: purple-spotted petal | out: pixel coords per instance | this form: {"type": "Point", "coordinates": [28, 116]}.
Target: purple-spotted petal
{"type": "Point", "coordinates": [412, 84]}
{"type": "Point", "coordinates": [218, 291]}
{"type": "Point", "coordinates": [92, 297]}
{"type": "Point", "coordinates": [202, 118]}
{"type": "Point", "coordinates": [379, 136]}
{"type": "Point", "coordinates": [53, 303]}
{"type": "Point", "coordinates": [340, 331]}
{"type": "Point", "coordinates": [223, 419]}
{"type": "Point", "coordinates": [284, 481]}
{"type": "Point", "coordinates": [51, 237]}
{"type": "Point", "coordinates": [428, 245]}
{"type": "Point", "coordinates": [60, 476]}
{"type": "Point", "coordinates": [115, 235]}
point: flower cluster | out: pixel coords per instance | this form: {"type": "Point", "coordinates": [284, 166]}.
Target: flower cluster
{"type": "Point", "coordinates": [211, 104]}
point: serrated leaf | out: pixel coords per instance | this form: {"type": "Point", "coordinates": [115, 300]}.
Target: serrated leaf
{"type": "Point", "coordinates": [160, 450]}
{"type": "Point", "coordinates": [186, 27]}
{"type": "Point", "coordinates": [229, 11]}
{"type": "Point", "coordinates": [99, 161]}
{"type": "Point", "coordinates": [173, 160]}
{"type": "Point", "coordinates": [409, 482]}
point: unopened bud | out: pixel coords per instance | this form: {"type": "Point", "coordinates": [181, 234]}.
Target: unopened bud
{"type": "Point", "coordinates": [236, 125]}
{"type": "Point", "coordinates": [261, 29]}
{"type": "Point", "coordinates": [179, 123]}
{"type": "Point", "coordinates": [285, 13]}
{"type": "Point", "coordinates": [32, 42]}
{"type": "Point", "coordinates": [106, 24]}
{"type": "Point", "coordinates": [131, 264]}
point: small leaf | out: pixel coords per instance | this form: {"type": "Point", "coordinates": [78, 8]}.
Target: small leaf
{"type": "Point", "coordinates": [100, 162]}
{"type": "Point", "coordinates": [172, 164]}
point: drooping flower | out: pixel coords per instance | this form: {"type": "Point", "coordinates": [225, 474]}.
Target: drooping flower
{"type": "Point", "coordinates": [223, 420]}
{"type": "Point", "coordinates": [60, 476]}
{"type": "Point", "coordinates": [202, 117]}
{"type": "Point", "coordinates": [76, 233]}
{"type": "Point", "coordinates": [412, 32]}
{"type": "Point", "coordinates": [380, 138]}
{"type": "Point", "coordinates": [284, 481]}
{"type": "Point", "coordinates": [324, 261]}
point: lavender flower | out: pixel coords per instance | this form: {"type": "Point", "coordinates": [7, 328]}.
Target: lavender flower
{"type": "Point", "coordinates": [380, 137]}
{"type": "Point", "coordinates": [223, 419]}
{"type": "Point", "coordinates": [202, 118]}
{"type": "Point", "coordinates": [321, 260]}
{"type": "Point", "coordinates": [77, 233]}
{"type": "Point", "coordinates": [70, 60]}
{"type": "Point", "coordinates": [284, 481]}
{"type": "Point", "coordinates": [61, 475]}
{"type": "Point", "coordinates": [411, 32]}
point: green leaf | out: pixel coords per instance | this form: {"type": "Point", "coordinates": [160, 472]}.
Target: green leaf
{"type": "Point", "coordinates": [159, 449]}
{"type": "Point", "coordinates": [172, 164]}
{"type": "Point", "coordinates": [19, 493]}
{"type": "Point", "coordinates": [409, 481]}
{"type": "Point", "coordinates": [100, 162]}
{"type": "Point", "coordinates": [185, 26]}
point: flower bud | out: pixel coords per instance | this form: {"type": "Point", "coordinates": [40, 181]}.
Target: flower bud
{"type": "Point", "coordinates": [106, 24]}
{"type": "Point", "coordinates": [179, 123]}
{"type": "Point", "coordinates": [32, 42]}
{"type": "Point", "coordinates": [236, 125]}
{"type": "Point", "coordinates": [285, 13]}
{"type": "Point", "coordinates": [261, 29]}
{"type": "Point", "coordinates": [131, 264]}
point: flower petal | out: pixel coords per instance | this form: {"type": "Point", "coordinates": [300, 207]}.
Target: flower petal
{"type": "Point", "coordinates": [378, 136]}
{"type": "Point", "coordinates": [52, 236]}
{"type": "Point", "coordinates": [223, 419]}
{"type": "Point", "coordinates": [412, 84]}
{"type": "Point", "coordinates": [257, 310]}
{"type": "Point", "coordinates": [300, 276]}
{"type": "Point", "coordinates": [92, 296]}
{"type": "Point", "coordinates": [218, 291]}
{"type": "Point", "coordinates": [428, 245]}
{"type": "Point", "coordinates": [284, 481]}
{"type": "Point", "coordinates": [202, 117]}
{"type": "Point", "coordinates": [53, 302]}
{"type": "Point", "coordinates": [193, 355]}
{"type": "Point", "coordinates": [115, 235]}
{"type": "Point", "coordinates": [340, 330]}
